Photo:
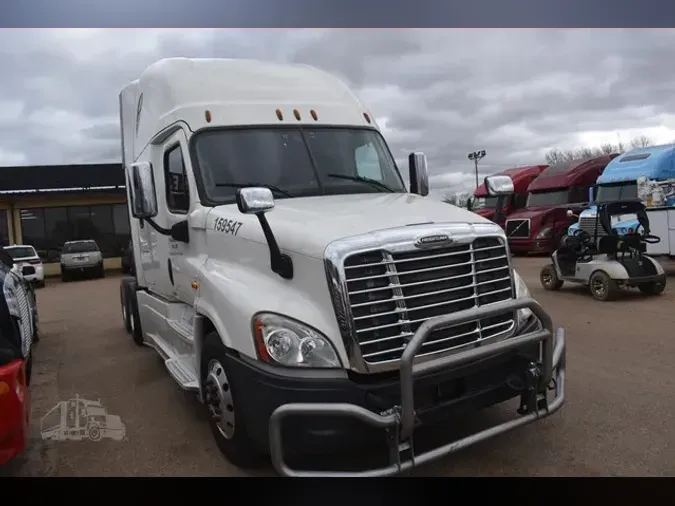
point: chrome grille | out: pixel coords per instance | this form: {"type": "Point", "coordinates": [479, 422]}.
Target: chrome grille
{"type": "Point", "coordinates": [392, 293]}
{"type": "Point", "coordinates": [517, 228]}
{"type": "Point", "coordinates": [587, 224]}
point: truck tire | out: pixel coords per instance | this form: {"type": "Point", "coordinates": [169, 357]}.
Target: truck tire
{"type": "Point", "coordinates": [135, 317]}
{"type": "Point", "coordinates": [603, 288]}
{"type": "Point", "coordinates": [124, 304]}
{"type": "Point", "coordinates": [549, 278]}
{"type": "Point", "coordinates": [65, 276]}
{"type": "Point", "coordinates": [220, 395]}
{"type": "Point", "coordinates": [94, 433]}
{"type": "Point", "coordinates": [653, 288]}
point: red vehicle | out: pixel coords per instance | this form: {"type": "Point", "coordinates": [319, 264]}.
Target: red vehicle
{"type": "Point", "coordinates": [486, 206]}
{"type": "Point", "coordinates": [14, 408]}
{"type": "Point", "coordinates": [539, 227]}
{"type": "Point", "coordinates": [18, 331]}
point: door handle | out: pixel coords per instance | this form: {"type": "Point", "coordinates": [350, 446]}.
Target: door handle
{"type": "Point", "coordinates": [170, 267]}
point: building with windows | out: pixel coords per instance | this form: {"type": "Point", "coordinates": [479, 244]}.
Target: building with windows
{"type": "Point", "coordinates": [45, 206]}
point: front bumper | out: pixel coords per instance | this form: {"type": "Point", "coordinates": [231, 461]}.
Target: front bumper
{"type": "Point", "coordinates": [81, 268]}
{"type": "Point", "coordinates": [400, 418]}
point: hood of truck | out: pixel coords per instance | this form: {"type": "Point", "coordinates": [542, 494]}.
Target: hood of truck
{"type": "Point", "coordinates": [307, 225]}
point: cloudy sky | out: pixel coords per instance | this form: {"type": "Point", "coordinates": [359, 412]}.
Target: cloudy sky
{"type": "Point", "coordinates": [514, 93]}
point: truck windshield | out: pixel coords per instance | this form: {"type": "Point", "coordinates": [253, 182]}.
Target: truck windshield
{"type": "Point", "coordinates": [484, 203]}
{"type": "Point", "coordinates": [294, 162]}
{"type": "Point", "coordinates": [617, 192]}
{"type": "Point", "coordinates": [548, 198]}
{"type": "Point", "coordinates": [80, 247]}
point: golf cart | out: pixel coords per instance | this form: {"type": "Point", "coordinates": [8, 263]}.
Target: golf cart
{"type": "Point", "coordinates": [605, 261]}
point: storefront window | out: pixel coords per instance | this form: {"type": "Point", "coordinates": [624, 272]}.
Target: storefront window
{"type": "Point", "coordinates": [4, 228]}
{"type": "Point", "coordinates": [33, 230]}
{"type": "Point", "coordinates": [46, 229]}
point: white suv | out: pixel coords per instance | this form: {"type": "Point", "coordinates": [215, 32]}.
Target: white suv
{"type": "Point", "coordinates": [27, 263]}
{"type": "Point", "coordinates": [81, 257]}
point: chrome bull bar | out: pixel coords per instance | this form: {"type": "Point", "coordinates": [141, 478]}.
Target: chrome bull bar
{"type": "Point", "coordinates": [401, 419]}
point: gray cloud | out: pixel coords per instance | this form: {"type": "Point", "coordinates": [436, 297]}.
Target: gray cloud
{"type": "Point", "coordinates": [445, 92]}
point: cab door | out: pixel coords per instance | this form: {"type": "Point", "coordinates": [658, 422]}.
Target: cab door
{"type": "Point", "coordinates": [178, 198]}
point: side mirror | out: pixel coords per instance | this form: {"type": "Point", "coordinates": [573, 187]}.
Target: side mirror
{"type": "Point", "coordinates": [469, 203]}
{"type": "Point", "coordinates": [142, 191]}
{"type": "Point", "coordinates": [419, 176]}
{"type": "Point", "coordinates": [499, 185]}
{"type": "Point", "coordinates": [257, 201]}
{"type": "Point", "coordinates": [570, 214]}
{"type": "Point", "coordinates": [254, 200]}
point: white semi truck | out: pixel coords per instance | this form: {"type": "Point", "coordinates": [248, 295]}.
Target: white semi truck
{"type": "Point", "coordinates": [287, 276]}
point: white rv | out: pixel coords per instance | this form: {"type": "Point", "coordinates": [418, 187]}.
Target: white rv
{"type": "Point", "coordinates": [288, 277]}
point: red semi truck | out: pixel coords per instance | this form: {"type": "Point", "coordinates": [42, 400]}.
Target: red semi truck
{"type": "Point", "coordinates": [486, 206]}
{"type": "Point", "coordinates": [539, 227]}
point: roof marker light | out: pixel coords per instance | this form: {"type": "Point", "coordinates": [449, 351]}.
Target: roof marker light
{"type": "Point", "coordinates": [207, 116]}
{"type": "Point", "coordinates": [314, 115]}
{"type": "Point", "coordinates": [280, 115]}
{"type": "Point", "coordinates": [296, 113]}
{"type": "Point", "coordinates": [365, 115]}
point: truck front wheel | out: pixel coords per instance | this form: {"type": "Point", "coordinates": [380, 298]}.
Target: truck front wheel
{"type": "Point", "coordinates": [220, 394]}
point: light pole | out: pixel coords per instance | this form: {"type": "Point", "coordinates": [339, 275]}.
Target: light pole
{"type": "Point", "coordinates": [475, 156]}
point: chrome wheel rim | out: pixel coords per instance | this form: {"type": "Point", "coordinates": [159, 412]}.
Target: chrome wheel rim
{"type": "Point", "coordinates": [598, 287]}
{"type": "Point", "coordinates": [547, 278]}
{"type": "Point", "coordinates": [218, 396]}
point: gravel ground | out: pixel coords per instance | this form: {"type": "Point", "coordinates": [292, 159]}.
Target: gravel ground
{"type": "Point", "coordinates": [618, 418]}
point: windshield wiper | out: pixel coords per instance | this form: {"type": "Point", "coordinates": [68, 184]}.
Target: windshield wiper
{"type": "Point", "coordinates": [252, 185]}
{"type": "Point", "coordinates": [367, 180]}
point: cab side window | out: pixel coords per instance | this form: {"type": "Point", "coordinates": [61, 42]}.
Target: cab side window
{"type": "Point", "coordinates": [175, 176]}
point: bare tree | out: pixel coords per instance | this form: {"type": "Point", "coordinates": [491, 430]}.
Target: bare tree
{"type": "Point", "coordinates": [640, 142]}
{"type": "Point", "coordinates": [556, 156]}
{"type": "Point", "coordinates": [459, 199]}
{"type": "Point", "coordinates": [450, 199]}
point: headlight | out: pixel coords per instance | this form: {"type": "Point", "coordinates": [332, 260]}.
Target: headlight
{"type": "Point", "coordinates": [280, 340]}
{"type": "Point", "coordinates": [545, 232]}
{"type": "Point", "coordinates": [521, 292]}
